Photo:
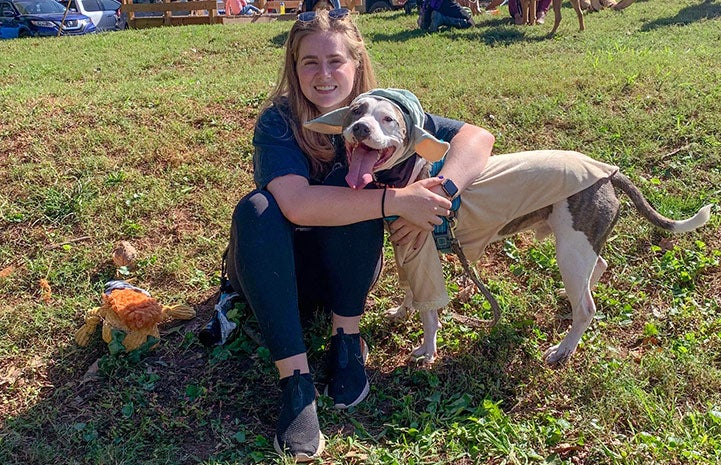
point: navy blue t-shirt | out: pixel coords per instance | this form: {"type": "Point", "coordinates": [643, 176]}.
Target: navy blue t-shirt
{"type": "Point", "coordinates": [278, 154]}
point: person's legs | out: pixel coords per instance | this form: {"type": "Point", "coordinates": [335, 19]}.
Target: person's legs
{"type": "Point", "coordinates": [261, 263]}
{"type": "Point", "coordinates": [438, 19]}
{"type": "Point", "coordinates": [351, 255]}
{"type": "Point", "coordinates": [516, 11]}
{"type": "Point", "coordinates": [541, 10]}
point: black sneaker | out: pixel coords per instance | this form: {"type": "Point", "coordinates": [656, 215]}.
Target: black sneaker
{"type": "Point", "coordinates": [298, 432]}
{"type": "Point", "coordinates": [348, 384]}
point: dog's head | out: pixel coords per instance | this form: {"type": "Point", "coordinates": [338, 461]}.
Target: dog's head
{"type": "Point", "coordinates": [381, 128]}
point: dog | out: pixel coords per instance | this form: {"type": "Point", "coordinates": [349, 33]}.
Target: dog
{"type": "Point", "coordinates": [564, 193]}
{"type": "Point", "coordinates": [556, 13]}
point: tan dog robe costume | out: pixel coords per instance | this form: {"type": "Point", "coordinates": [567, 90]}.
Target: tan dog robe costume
{"type": "Point", "coordinates": [510, 186]}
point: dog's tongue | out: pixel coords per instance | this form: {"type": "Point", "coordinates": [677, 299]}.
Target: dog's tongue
{"type": "Point", "coordinates": [360, 171]}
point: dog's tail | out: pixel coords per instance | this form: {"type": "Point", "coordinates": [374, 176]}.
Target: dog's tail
{"type": "Point", "coordinates": [620, 181]}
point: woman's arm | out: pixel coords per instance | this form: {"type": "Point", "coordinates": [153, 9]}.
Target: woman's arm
{"type": "Point", "coordinates": [308, 205]}
{"type": "Point", "coordinates": [464, 162]}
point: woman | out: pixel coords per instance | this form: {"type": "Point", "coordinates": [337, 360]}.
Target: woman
{"type": "Point", "coordinates": [304, 240]}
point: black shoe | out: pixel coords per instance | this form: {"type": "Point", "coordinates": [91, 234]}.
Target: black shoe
{"type": "Point", "coordinates": [348, 384]}
{"type": "Point", "coordinates": [298, 432]}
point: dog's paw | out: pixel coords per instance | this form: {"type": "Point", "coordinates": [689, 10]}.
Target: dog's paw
{"type": "Point", "coordinates": [557, 355]}
{"type": "Point", "coordinates": [421, 356]}
{"type": "Point", "coordinates": [399, 313]}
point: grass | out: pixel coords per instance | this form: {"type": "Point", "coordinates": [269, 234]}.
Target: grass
{"type": "Point", "coordinates": [145, 135]}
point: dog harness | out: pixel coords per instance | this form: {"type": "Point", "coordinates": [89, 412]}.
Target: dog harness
{"type": "Point", "coordinates": [442, 233]}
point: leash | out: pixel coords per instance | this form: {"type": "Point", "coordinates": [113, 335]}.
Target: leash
{"type": "Point", "coordinates": [444, 235]}
{"type": "Point", "coordinates": [470, 270]}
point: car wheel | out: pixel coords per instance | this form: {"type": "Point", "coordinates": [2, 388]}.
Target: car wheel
{"type": "Point", "coordinates": [24, 33]}
{"type": "Point", "coordinates": [379, 6]}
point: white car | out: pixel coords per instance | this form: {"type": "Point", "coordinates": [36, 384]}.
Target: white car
{"type": "Point", "coordinates": [105, 14]}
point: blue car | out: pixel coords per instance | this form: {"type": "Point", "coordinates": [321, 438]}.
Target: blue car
{"type": "Point", "coordinates": [26, 18]}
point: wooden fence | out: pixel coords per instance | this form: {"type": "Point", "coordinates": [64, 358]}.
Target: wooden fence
{"type": "Point", "coordinates": [178, 13]}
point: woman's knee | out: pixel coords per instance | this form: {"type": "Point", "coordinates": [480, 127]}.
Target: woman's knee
{"type": "Point", "coordinates": [256, 206]}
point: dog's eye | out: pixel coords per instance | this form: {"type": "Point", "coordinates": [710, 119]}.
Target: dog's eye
{"type": "Point", "coordinates": [388, 119]}
{"type": "Point", "coordinates": [356, 110]}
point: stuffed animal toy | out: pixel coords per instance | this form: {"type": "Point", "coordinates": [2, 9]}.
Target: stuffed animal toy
{"type": "Point", "coordinates": [130, 318]}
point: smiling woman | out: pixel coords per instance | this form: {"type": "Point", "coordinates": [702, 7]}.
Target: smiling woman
{"type": "Point", "coordinates": [303, 242]}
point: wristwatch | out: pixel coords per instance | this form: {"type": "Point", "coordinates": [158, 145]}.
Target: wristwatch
{"type": "Point", "coordinates": [450, 188]}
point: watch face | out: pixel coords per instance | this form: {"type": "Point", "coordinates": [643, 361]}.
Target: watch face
{"type": "Point", "coordinates": [450, 188]}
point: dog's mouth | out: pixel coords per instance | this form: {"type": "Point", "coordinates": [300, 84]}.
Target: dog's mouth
{"type": "Point", "coordinates": [362, 161]}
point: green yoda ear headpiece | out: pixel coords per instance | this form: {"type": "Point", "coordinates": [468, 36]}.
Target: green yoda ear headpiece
{"type": "Point", "coordinates": [421, 141]}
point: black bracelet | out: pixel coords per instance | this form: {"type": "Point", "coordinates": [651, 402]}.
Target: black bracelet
{"type": "Point", "coordinates": [383, 202]}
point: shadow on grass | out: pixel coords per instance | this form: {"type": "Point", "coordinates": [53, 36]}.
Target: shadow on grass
{"type": "Point", "coordinates": [495, 32]}
{"type": "Point", "coordinates": [709, 9]}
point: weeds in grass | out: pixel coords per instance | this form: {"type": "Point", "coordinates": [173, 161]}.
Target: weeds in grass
{"type": "Point", "coordinates": [146, 136]}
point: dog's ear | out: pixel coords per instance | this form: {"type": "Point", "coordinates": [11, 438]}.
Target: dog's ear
{"type": "Point", "coordinates": [330, 123]}
{"type": "Point", "coordinates": [427, 146]}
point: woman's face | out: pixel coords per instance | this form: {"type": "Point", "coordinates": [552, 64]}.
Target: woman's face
{"type": "Point", "coordinates": [326, 70]}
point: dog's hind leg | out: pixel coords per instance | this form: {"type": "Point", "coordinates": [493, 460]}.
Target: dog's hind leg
{"type": "Point", "coordinates": [581, 267]}
{"type": "Point", "coordinates": [577, 263]}
{"type": "Point", "coordinates": [579, 13]}
{"type": "Point", "coordinates": [598, 271]}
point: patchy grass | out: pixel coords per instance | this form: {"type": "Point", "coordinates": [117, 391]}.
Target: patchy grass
{"type": "Point", "coordinates": [146, 135]}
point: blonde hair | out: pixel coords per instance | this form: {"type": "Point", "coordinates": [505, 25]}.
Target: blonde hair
{"type": "Point", "coordinates": [316, 146]}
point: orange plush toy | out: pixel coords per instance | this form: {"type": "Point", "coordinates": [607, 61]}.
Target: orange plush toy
{"type": "Point", "coordinates": [130, 318]}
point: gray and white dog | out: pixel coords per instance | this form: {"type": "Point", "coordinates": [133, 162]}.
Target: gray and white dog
{"type": "Point", "coordinates": [559, 192]}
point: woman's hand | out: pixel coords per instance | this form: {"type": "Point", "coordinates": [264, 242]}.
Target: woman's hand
{"type": "Point", "coordinates": [404, 232]}
{"type": "Point", "coordinates": [418, 204]}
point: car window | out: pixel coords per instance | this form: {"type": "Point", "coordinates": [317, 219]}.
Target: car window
{"type": "Point", "coordinates": [92, 5]}
{"type": "Point", "coordinates": [39, 6]}
{"type": "Point", "coordinates": [110, 4]}
{"type": "Point", "coordinates": [6, 10]}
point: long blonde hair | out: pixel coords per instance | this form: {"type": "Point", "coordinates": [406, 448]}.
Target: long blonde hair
{"type": "Point", "coordinates": [318, 147]}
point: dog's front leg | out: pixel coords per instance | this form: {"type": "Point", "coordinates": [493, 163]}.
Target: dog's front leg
{"type": "Point", "coordinates": [421, 268]}
{"type": "Point", "coordinates": [404, 310]}
{"type": "Point", "coordinates": [427, 351]}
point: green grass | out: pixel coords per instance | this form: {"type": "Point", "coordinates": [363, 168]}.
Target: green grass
{"type": "Point", "coordinates": [145, 135]}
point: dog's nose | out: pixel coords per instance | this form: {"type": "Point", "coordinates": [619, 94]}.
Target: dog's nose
{"type": "Point", "coordinates": [361, 131]}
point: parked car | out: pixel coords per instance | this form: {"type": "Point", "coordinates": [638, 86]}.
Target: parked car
{"type": "Point", "coordinates": [374, 6]}
{"type": "Point", "coordinates": [105, 14]}
{"type": "Point", "coordinates": [25, 18]}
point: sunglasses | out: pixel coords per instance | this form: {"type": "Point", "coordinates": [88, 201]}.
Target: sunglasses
{"type": "Point", "coordinates": [335, 14]}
